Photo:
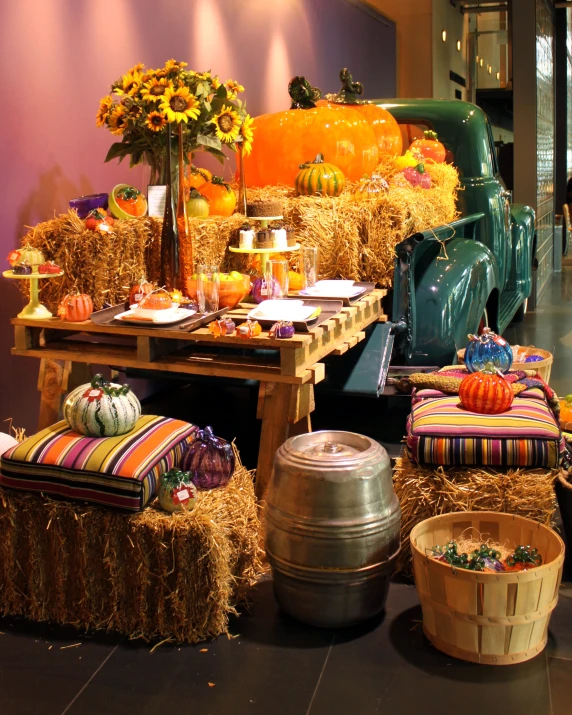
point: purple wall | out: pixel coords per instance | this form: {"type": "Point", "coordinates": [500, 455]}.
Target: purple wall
{"type": "Point", "coordinates": [59, 58]}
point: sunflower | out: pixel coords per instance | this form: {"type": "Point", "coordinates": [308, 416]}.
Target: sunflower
{"type": "Point", "coordinates": [154, 89]}
{"type": "Point", "coordinates": [117, 120]}
{"type": "Point", "coordinates": [180, 105]}
{"type": "Point", "coordinates": [103, 112]}
{"type": "Point", "coordinates": [227, 125]}
{"type": "Point", "coordinates": [156, 121]}
{"type": "Point", "coordinates": [129, 83]}
{"type": "Point", "coordinates": [247, 131]}
{"type": "Point", "coordinates": [174, 65]}
{"type": "Point", "coordinates": [215, 82]}
{"type": "Point", "coordinates": [137, 68]}
{"type": "Point", "coordinates": [233, 88]}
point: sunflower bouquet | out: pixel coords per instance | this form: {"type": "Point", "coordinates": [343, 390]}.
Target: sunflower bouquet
{"type": "Point", "coordinates": [144, 104]}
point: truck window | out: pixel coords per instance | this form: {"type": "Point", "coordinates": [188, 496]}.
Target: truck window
{"type": "Point", "coordinates": [493, 149]}
{"type": "Point", "coordinates": [410, 131]}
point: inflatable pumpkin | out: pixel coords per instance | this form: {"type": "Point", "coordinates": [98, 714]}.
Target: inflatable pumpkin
{"type": "Point", "coordinates": [385, 127]}
{"type": "Point", "coordinates": [285, 140]}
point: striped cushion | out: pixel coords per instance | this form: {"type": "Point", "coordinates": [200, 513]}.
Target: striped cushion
{"type": "Point", "coordinates": [440, 431]}
{"type": "Point", "coordinates": [116, 471]}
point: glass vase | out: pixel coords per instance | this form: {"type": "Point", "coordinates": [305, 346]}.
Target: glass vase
{"type": "Point", "coordinates": [170, 269]}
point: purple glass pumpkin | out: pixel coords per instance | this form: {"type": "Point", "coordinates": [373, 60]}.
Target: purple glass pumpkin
{"type": "Point", "coordinates": [209, 459]}
{"type": "Point", "coordinates": [262, 291]}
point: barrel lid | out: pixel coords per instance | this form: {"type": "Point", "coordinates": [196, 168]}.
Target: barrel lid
{"type": "Point", "coordinates": [331, 445]}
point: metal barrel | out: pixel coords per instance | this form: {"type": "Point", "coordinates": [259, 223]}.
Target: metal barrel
{"type": "Point", "coordinates": [333, 523]}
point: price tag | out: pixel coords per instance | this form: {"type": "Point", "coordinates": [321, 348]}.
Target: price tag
{"type": "Point", "coordinates": [180, 496]}
{"type": "Point", "coordinates": [156, 196]}
{"type": "Point", "coordinates": [94, 393]}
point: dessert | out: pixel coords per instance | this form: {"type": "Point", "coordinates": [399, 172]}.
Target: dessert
{"type": "Point", "coordinates": [246, 236]}
{"type": "Point", "coordinates": [264, 239]}
{"type": "Point", "coordinates": [49, 267]}
{"type": "Point", "coordinates": [279, 238]}
{"type": "Point", "coordinates": [22, 269]}
{"type": "Point", "coordinates": [264, 208]}
{"type": "Point", "coordinates": [290, 236]}
{"type": "Point", "coordinates": [157, 300]}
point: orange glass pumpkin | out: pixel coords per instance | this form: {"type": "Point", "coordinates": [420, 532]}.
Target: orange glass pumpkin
{"type": "Point", "coordinates": [139, 291]}
{"type": "Point", "coordinates": [429, 147]}
{"type": "Point", "coordinates": [157, 300]}
{"type": "Point", "coordinates": [75, 307]}
{"type": "Point", "coordinates": [486, 392]}
{"type": "Point", "coordinates": [195, 178]}
{"type": "Point", "coordinates": [221, 198]}
{"type": "Point", "coordinates": [284, 140]}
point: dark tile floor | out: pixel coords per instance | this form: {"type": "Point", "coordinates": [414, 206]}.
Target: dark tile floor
{"type": "Point", "coordinates": [276, 665]}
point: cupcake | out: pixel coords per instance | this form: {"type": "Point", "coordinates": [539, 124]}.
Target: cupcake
{"type": "Point", "coordinates": [246, 236]}
{"type": "Point", "coordinates": [279, 240]}
{"type": "Point", "coordinates": [290, 237]}
{"type": "Point", "coordinates": [264, 239]}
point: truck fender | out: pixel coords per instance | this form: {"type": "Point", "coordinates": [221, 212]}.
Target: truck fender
{"type": "Point", "coordinates": [451, 295]}
{"type": "Point", "coordinates": [522, 226]}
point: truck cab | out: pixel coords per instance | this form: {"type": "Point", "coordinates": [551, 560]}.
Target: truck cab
{"type": "Point", "coordinates": [449, 279]}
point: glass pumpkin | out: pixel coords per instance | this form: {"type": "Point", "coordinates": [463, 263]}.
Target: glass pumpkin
{"type": "Point", "coordinates": [209, 459]}
{"type": "Point", "coordinates": [488, 348]}
{"type": "Point", "coordinates": [317, 178]}
{"type": "Point", "coordinates": [486, 392]}
{"type": "Point", "coordinates": [75, 307]}
{"type": "Point", "coordinates": [176, 491]}
{"type": "Point", "coordinates": [285, 140]}
{"type": "Point", "coordinates": [221, 198]}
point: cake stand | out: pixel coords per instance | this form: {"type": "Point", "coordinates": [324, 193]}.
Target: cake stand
{"type": "Point", "coordinates": [264, 253]}
{"type": "Point", "coordinates": [34, 310]}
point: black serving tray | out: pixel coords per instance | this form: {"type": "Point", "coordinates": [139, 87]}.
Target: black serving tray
{"type": "Point", "coordinates": [346, 302]}
{"type": "Point", "coordinates": [194, 321]}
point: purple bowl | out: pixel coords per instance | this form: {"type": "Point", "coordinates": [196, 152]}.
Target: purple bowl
{"type": "Point", "coordinates": [84, 204]}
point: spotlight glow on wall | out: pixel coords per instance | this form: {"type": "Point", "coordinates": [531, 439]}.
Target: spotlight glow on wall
{"type": "Point", "coordinates": [481, 62]}
{"type": "Point", "coordinates": [498, 76]}
{"type": "Point", "coordinates": [489, 69]}
{"type": "Point", "coordinates": [444, 35]}
{"type": "Point", "coordinates": [458, 45]}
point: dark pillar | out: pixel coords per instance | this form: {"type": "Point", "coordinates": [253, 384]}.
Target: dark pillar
{"type": "Point", "coordinates": [562, 108]}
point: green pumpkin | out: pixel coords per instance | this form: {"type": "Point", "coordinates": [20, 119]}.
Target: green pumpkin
{"type": "Point", "coordinates": [102, 409]}
{"type": "Point", "coordinates": [316, 178]}
{"type": "Point", "coordinates": [197, 205]}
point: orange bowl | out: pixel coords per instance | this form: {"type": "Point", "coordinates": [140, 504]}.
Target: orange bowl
{"type": "Point", "coordinates": [230, 293]}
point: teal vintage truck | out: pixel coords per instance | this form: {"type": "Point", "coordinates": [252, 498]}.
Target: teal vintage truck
{"type": "Point", "coordinates": [452, 279]}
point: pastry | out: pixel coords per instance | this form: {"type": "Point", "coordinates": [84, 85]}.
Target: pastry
{"type": "Point", "coordinates": [246, 236]}
{"type": "Point", "coordinates": [262, 208]}
{"type": "Point", "coordinates": [279, 238]}
{"type": "Point", "coordinates": [22, 269]}
{"type": "Point", "coordinates": [264, 239]}
{"type": "Point", "coordinates": [290, 236]}
{"type": "Point", "coordinates": [49, 268]}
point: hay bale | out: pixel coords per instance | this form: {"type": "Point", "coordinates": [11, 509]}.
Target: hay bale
{"type": "Point", "coordinates": [426, 491]}
{"type": "Point", "coordinates": [145, 575]}
{"type": "Point", "coordinates": [356, 237]}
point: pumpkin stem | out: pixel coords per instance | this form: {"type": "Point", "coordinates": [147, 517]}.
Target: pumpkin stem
{"type": "Point", "coordinates": [221, 182]}
{"type": "Point", "coordinates": [318, 160]}
{"type": "Point", "coordinates": [430, 134]}
{"type": "Point", "coordinates": [303, 95]}
{"type": "Point", "coordinates": [420, 168]}
{"type": "Point", "coordinates": [195, 194]}
{"type": "Point", "coordinates": [349, 90]}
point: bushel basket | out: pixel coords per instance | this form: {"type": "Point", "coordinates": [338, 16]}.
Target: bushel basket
{"type": "Point", "coordinates": [491, 618]}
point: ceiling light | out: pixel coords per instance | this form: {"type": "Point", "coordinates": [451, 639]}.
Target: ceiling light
{"type": "Point", "coordinates": [498, 76]}
{"type": "Point", "coordinates": [444, 35]}
{"type": "Point", "coordinates": [489, 69]}
{"type": "Point", "coordinates": [481, 62]}
{"type": "Point", "coordinates": [458, 45]}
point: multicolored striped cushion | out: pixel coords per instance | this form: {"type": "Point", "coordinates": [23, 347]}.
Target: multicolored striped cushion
{"type": "Point", "coordinates": [440, 431]}
{"type": "Point", "coordinates": [116, 471]}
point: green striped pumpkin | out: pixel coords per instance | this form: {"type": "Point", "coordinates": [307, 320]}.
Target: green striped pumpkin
{"type": "Point", "coordinates": [321, 179]}
{"type": "Point", "coordinates": [102, 409]}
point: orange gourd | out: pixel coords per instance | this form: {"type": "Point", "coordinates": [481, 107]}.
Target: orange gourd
{"type": "Point", "coordinates": [486, 392]}
{"type": "Point", "coordinates": [139, 291]}
{"type": "Point", "coordinates": [429, 147]}
{"type": "Point", "coordinates": [75, 307]}
{"type": "Point", "coordinates": [222, 199]}
{"type": "Point", "coordinates": [286, 139]}
{"type": "Point", "coordinates": [197, 177]}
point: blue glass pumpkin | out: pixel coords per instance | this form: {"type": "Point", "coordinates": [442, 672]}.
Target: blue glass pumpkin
{"type": "Point", "coordinates": [488, 348]}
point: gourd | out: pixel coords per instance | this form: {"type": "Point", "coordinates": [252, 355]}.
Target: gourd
{"type": "Point", "coordinates": [197, 177]}
{"type": "Point", "coordinates": [318, 178]}
{"type": "Point", "coordinates": [26, 254]}
{"type": "Point", "coordinates": [158, 299]}
{"type": "Point", "coordinates": [197, 205]}
{"type": "Point", "coordinates": [486, 392]}
{"type": "Point", "coordinates": [286, 139]}
{"type": "Point", "coordinates": [372, 187]}
{"type": "Point", "coordinates": [488, 348]}
{"type": "Point", "coordinates": [221, 198]}
{"type": "Point", "coordinates": [139, 291]}
{"type": "Point", "coordinates": [209, 459]}
{"type": "Point", "coordinates": [102, 408]}
{"type": "Point", "coordinates": [429, 147]}
{"type": "Point", "coordinates": [176, 491]}
{"type": "Point", "coordinates": [383, 124]}
{"type": "Point", "coordinates": [75, 307]}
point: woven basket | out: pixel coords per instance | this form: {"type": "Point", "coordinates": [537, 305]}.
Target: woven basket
{"type": "Point", "coordinates": [490, 618]}
{"type": "Point", "coordinates": [542, 366]}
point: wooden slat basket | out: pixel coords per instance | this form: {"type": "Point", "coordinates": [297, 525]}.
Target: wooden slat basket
{"type": "Point", "coordinates": [490, 618]}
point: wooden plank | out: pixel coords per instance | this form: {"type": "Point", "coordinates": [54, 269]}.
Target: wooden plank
{"type": "Point", "coordinates": [150, 349]}
{"type": "Point", "coordinates": [50, 384]}
{"type": "Point", "coordinates": [274, 431]}
{"type": "Point", "coordinates": [26, 337]}
{"type": "Point", "coordinates": [301, 402]}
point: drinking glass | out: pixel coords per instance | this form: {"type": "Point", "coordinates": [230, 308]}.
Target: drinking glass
{"type": "Point", "coordinates": [208, 282]}
{"type": "Point", "coordinates": [309, 266]}
{"type": "Point", "coordinates": [277, 278]}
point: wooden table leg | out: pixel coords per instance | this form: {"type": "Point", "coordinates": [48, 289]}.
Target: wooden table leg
{"type": "Point", "coordinates": [55, 379]}
{"type": "Point", "coordinates": [285, 411]}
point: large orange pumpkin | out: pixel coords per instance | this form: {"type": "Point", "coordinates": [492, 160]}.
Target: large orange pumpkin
{"type": "Point", "coordinates": [285, 140]}
{"type": "Point", "coordinates": [222, 199]}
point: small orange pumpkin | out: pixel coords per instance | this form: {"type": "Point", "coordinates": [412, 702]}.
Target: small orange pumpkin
{"type": "Point", "coordinates": [429, 147]}
{"type": "Point", "coordinates": [196, 177]}
{"type": "Point", "coordinates": [75, 307]}
{"type": "Point", "coordinates": [221, 198]}
{"type": "Point", "coordinates": [486, 392]}
{"type": "Point", "coordinates": [295, 281]}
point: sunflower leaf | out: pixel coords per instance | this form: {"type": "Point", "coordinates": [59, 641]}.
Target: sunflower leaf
{"type": "Point", "coordinates": [118, 149]}
{"type": "Point", "coordinates": [209, 141]}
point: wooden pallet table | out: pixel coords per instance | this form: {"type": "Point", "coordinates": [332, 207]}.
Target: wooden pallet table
{"type": "Point", "coordinates": [287, 370]}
